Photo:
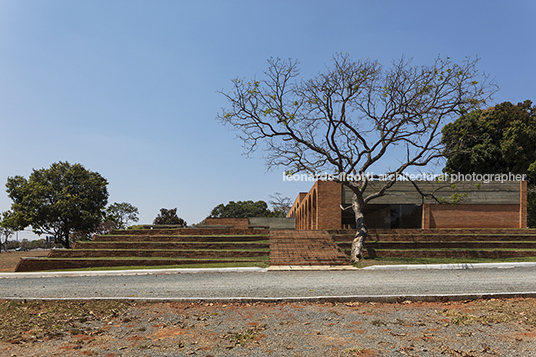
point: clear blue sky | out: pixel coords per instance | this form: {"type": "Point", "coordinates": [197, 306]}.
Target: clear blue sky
{"type": "Point", "coordinates": [129, 88]}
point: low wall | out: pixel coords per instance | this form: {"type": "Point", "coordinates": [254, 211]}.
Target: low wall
{"type": "Point", "coordinates": [272, 222]}
{"type": "Point", "coordinates": [237, 223]}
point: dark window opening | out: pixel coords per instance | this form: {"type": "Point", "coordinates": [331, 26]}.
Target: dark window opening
{"type": "Point", "coordinates": [386, 216]}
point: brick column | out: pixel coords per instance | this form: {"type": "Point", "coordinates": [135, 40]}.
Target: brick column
{"type": "Point", "coordinates": [426, 216]}
{"type": "Point", "coordinates": [523, 204]}
{"type": "Point", "coordinates": [329, 196]}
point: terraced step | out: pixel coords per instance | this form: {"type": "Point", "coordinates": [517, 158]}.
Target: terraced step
{"type": "Point", "coordinates": [200, 254]}
{"type": "Point", "coordinates": [439, 237]}
{"type": "Point", "coordinates": [168, 245]}
{"type": "Point", "coordinates": [442, 245]}
{"type": "Point", "coordinates": [190, 231]}
{"type": "Point", "coordinates": [181, 238]}
{"type": "Point", "coordinates": [38, 264]}
{"type": "Point", "coordinates": [488, 254]}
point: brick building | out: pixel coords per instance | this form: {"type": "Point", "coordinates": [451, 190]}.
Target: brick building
{"type": "Point", "coordinates": [485, 205]}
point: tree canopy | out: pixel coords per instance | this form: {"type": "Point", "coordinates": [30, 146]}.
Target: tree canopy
{"type": "Point", "coordinates": [354, 117]}
{"type": "Point", "coordinates": [58, 201]}
{"type": "Point", "coordinates": [500, 139]}
{"type": "Point", "coordinates": [242, 209]}
{"type": "Point", "coordinates": [169, 217]}
{"type": "Point", "coordinates": [121, 214]}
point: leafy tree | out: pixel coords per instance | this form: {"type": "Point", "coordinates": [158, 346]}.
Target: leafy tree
{"type": "Point", "coordinates": [58, 201]}
{"type": "Point", "coordinates": [354, 117]}
{"type": "Point", "coordinates": [241, 209]}
{"type": "Point", "coordinates": [496, 140]}
{"type": "Point", "coordinates": [6, 231]}
{"type": "Point", "coordinates": [122, 214]}
{"type": "Point", "coordinates": [169, 217]}
{"type": "Point", "coordinates": [500, 139]}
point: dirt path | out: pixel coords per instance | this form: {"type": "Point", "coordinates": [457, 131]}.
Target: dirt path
{"type": "Point", "coordinates": [107, 328]}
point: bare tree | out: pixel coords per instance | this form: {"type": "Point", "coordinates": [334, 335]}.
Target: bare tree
{"type": "Point", "coordinates": [354, 117]}
{"type": "Point", "coordinates": [280, 203]}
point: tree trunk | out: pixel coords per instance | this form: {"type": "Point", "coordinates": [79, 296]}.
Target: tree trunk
{"type": "Point", "coordinates": [66, 238]}
{"type": "Point", "coordinates": [362, 230]}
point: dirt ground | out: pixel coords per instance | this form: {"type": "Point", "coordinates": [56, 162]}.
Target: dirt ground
{"type": "Point", "coordinates": [128, 328]}
{"type": "Point", "coordinates": [111, 328]}
{"type": "Point", "coordinates": [10, 259]}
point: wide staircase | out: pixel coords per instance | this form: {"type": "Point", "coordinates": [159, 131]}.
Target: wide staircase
{"type": "Point", "coordinates": [443, 243]}
{"type": "Point", "coordinates": [297, 247]}
{"type": "Point", "coordinates": [160, 247]}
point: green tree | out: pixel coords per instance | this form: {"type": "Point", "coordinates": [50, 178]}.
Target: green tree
{"type": "Point", "coordinates": [500, 139]}
{"type": "Point", "coordinates": [241, 209]}
{"type": "Point", "coordinates": [58, 201]}
{"type": "Point", "coordinates": [354, 117]}
{"type": "Point", "coordinates": [121, 214]}
{"type": "Point", "coordinates": [6, 229]}
{"type": "Point", "coordinates": [169, 217]}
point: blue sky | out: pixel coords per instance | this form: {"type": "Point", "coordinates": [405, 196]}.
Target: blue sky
{"type": "Point", "coordinates": [129, 88]}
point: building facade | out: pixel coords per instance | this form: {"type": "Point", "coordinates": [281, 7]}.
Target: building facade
{"type": "Point", "coordinates": [483, 205]}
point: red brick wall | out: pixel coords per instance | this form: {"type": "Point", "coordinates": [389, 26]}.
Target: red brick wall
{"type": "Point", "coordinates": [471, 216]}
{"type": "Point", "coordinates": [329, 198]}
{"type": "Point", "coordinates": [237, 223]}
{"type": "Point", "coordinates": [319, 208]}
{"type": "Point", "coordinates": [294, 209]}
{"type": "Point", "coordinates": [426, 216]}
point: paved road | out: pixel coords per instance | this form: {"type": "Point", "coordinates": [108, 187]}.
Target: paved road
{"type": "Point", "coordinates": [272, 285]}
